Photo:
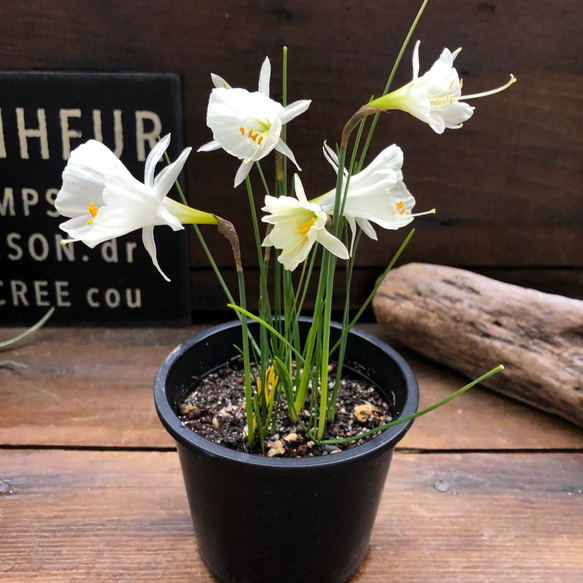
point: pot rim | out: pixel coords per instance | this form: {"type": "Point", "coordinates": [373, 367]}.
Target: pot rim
{"type": "Point", "coordinates": [191, 440]}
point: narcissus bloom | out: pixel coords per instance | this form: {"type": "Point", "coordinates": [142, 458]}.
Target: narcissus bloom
{"type": "Point", "coordinates": [104, 201]}
{"type": "Point", "coordinates": [248, 125]}
{"type": "Point", "coordinates": [297, 225]}
{"type": "Point", "coordinates": [376, 194]}
{"type": "Point", "coordinates": [435, 96]}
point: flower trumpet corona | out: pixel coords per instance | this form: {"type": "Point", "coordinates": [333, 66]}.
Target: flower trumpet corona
{"type": "Point", "coordinates": [104, 201]}
{"type": "Point", "coordinates": [435, 97]}
{"type": "Point", "coordinates": [376, 194]}
{"type": "Point", "coordinates": [248, 125]}
{"type": "Point", "coordinates": [296, 225]}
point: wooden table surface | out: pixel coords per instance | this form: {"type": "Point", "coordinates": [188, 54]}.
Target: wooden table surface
{"type": "Point", "coordinates": [485, 489]}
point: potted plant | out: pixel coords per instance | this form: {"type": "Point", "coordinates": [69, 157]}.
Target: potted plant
{"type": "Point", "coordinates": [259, 515]}
{"type": "Point", "coordinates": [282, 519]}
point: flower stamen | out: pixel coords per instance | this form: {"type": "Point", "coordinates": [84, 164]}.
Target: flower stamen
{"type": "Point", "coordinates": [401, 207]}
{"type": "Point", "coordinates": [255, 137]}
{"type": "Point", "coordinates": [491, 92]}
{"type": "Point", "coordinates": [307, 226]}
{"type": "Point", "coordinates": [93, 211]}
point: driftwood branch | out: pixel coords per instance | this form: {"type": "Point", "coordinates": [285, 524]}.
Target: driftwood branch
{"type": "Point", "coordinates": [473, 323]}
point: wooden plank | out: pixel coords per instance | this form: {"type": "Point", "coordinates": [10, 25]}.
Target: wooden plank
{"type": "Point", "coordinates": [93, 387]}
{"type": "Point", "coordinates": [100, 516]}
{"type": "Point", "coordinates": [506, 187]}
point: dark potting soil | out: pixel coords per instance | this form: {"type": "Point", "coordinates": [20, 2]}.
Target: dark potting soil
{"type": "Point", "coordinates": [215, 410]}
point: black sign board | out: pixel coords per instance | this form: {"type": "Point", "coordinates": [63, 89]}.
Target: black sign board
{"type": "Point", "coordinates": [43, 117]}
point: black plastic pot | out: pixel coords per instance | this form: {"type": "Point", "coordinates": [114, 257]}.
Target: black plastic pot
{"type": "Point", "coordinates": [266, 520]}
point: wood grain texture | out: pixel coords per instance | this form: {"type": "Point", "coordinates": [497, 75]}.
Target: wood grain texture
{"type": "Point", "coordinates": [471, 322]}
{"type": "Point", "coordinates": [506, 187]}
{"type": "Point", "coordinates": [103, 516]}
{"type": "Point", "coordinates": [93, 388]}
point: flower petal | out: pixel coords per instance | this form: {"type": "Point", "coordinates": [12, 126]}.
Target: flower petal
{"type": "Point", "coordinates": [84, 178]}
{"type": "Point", "coordinates": [264, 77]}
{"type": "Point", "coordinates": [293, 110]}
{"type": "Point", "coordinates": [150, 245]}
{"type": "Point", "coordinates": [153, 158]}
{"type": "Point", "coordinates": [416, 60]}
{"type": "Point", "coordinates": [218, 81]}
{"type": "Point", "coordinates": [299, 189]}
{"type": "Point", "coordinates": [331, 243]}
{"type": "Point", "coordinates": [210, 146]}
{"type": "Point", "coordinates": [167, 177]}
{"type": "Point", "coordinates": [284, 149]}
{"type": "Point", "coordinates": [242, 173]}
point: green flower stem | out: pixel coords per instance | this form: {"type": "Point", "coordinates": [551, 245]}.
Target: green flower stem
{"type": "Point", "coordinates": [262, 176]}
{"type": "Point", "coordinates": [419, 413]}
{"type": "Point", "coordinates": [345, 326]}
{"type": "Point", "coordinates": [246, 362]}
{"type": "Point", "coordinates": [255, 407]}
{"type": "Point", "coordinates": [264, 305]}
{"type": "Point", "coordinates": [12, 363]}
{"type": "Point", "coordinates": [203, 242]}
{"type": "Point", "coordinates": [390, 81]}
{"type": "Point", "coordinates": [284, 103]}
{"type": "Point", "coordinates": [329, 270]}
{"type": "Point", "coordinates": [271, 329]}
{"type": "Point", "coordinates": [374, 291]}
{"type": "Point", "coordinates": [215, 267]}
{"type": "Point", "coordinates": [8, 343]}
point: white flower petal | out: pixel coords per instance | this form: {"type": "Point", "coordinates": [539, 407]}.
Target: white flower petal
{"type": "Point", "coordinates": [242, 173]}
{"type": "Point", "coordinates": [294, 109]}
{"type": "Point", "coordinates": [167, 218]}
{"type": "Point", "coordinates": [331, 243]}
{"type": "Point", "coordinates": [168, 176]}
{"type": "Point", "coordinates": [104, 201]}
{"type": "Point", "coordinates": [84, 177]}
{"type": "Point", "coordinates": [331, 157]}
{"type": "Point", "coordinates": [377, 194]}
{"type": "Point", "coordinates": [218, 81]}
{"type": "Point", "coordinates": [153, 158]}
{"type": "Point", "coordinates": [299, 189]}
{"type": "Point", "coordinates": [297, 226]}
{"type": "Point", "coordinates": [367, 228]}
{"type": "Point", "coordinates": [265, 77]}
{"type": "Point", "coordinates": [284, 149]}
{"type": "Point", "coordinates": [436, 97]}
{"type": "Point", "coordinates": [248, 125]}
{"type": "Point", "coordinates": [416, 60]}
{"type": "Point", "coordinates": [210, 146]}
{"type": "Point", "coordinates": [150, 245]}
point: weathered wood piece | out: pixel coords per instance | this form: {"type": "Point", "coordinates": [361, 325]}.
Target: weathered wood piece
{"type": "Point", "coordinates": [472, 323]}
{"type": "Point", "coordinates": [123, 516]}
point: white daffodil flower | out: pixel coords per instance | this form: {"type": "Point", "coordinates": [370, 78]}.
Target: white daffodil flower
{"type": "Point", "coordinates": [435, 96]}
{"type": "Point", "coordinates": [248, 125]}
{"type": "Point", "coordinates": [296, 225]}
{"type": "Point", "coordinates": [376, 194]}
{"type": "Point", "coordinates": [104, 201]}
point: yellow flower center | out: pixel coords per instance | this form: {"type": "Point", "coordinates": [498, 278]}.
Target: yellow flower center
{"type": "Point", "coordinates": [401, 207]}
{"type": "Point", "coordinates": [93, 212]}
{"type": "Point", "coordinates": [307, 226]}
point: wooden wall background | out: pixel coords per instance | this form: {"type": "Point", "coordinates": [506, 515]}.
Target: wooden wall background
{"type": "Point", "coordinates": [506, 186]}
